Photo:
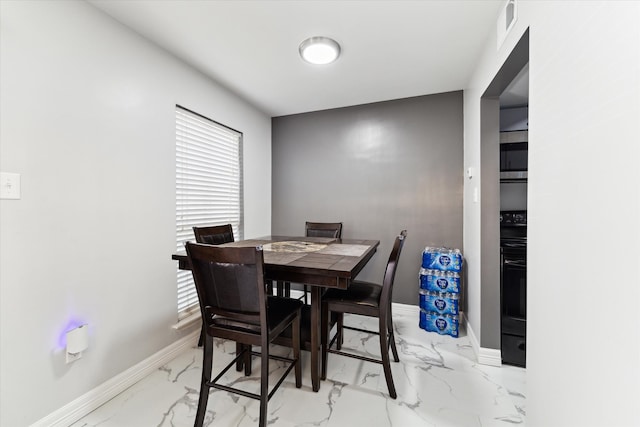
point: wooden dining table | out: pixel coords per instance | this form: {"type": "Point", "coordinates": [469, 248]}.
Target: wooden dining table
{"type": "Point", "coordinates": [318, 262]}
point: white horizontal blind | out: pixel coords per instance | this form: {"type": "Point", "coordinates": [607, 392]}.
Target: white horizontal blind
{"type": "Point", "coordinates": [208, 187]}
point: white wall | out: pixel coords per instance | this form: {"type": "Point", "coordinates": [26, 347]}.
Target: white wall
{"type": "Point", "coordinates": [583, 327]}
{"type": "Point", "coordinates": [87, 119]}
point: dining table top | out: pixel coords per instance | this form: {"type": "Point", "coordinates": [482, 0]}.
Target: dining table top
{"type": "Point", "coordinates": [316, 261]}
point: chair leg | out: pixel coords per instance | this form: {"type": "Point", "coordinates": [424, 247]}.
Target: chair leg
{"type": "Point", "coordinates": [325, 330]}
{"type": "Point", "coordinates": [247, 359]}
{"type": "Point", "coordinates": [201, 339]}
{"type": "Point", "coordinates": [207, 364]}
{"type": "Point", "coordinates": [340, 331]}
{"type": "Point", "coordinates": [392, 338]}
{"type": "Point", "coordinates": [240, 362]}
{"type": "Point", "coordinates": [264, 381]}
{"type": "Point", "coordinates": [296, 351]}
{"type": "Point", "coordinates": [306, 292]}
{"type": "Point", "coordinates": [287, 289]}
{"type": "Point", "coordinates": [384, 350]}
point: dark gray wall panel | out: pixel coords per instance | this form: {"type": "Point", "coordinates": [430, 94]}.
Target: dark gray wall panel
{"type": "Point", "coordinates": [379, 168]}
{"type": "Point", "coordinates": [490, 229]}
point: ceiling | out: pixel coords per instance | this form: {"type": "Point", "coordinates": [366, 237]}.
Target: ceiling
{"type": "Point", "coordinates": [390, 49]}
{"type": "Point", "coordinates": [516, 94]}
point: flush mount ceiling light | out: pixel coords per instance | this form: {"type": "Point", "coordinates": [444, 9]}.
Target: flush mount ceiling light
{"type": "Point", "coordinates": [319, 50]}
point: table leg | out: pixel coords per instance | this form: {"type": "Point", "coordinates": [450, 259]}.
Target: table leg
{"type": "Point", "coordinates": [315, 336]}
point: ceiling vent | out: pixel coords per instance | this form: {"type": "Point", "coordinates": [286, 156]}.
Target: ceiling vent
{"type": "Point", "coordinates": [506, 20]}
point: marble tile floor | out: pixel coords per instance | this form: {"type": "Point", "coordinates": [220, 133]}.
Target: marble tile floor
{"type": "Point", "coordinates": [437, 380]}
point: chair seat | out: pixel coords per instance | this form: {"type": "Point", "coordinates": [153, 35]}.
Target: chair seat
{"type": "Point", "coordinates": [364, 295]}
{"type": "Point", "coordinates": [280, 310]}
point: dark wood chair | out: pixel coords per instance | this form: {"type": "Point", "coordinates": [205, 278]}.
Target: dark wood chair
{"type": "Point", "coordinates": [213, 235]}
{"type": "Point", "coordinates": [235, 306]}
{"type": "Point", "coordinates": [323, 229]}
{"type": "Point", "coordinates": [312, 229]}
{"type": "Point", "coordinates": [366, 299]}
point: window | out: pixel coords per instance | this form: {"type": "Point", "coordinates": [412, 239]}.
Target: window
{"type": "Point", "coordinates": [208, 187]}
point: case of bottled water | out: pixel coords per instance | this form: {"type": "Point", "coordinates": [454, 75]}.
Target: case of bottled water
{"type": "Point", "coordinates": [443, 259]}
{"type": "Point", "coordinates": [444, 324]}
{"type": "Point", "coordinates": [439, 281]}
{"type": "Point", "coordinates": [438, 302]}
{"type": "Point", "coordinates": [439, 290]}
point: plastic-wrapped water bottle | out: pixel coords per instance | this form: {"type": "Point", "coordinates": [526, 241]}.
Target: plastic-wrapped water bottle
{"type": "Point", "coordinates": [457, 259]}
{"type": "Point", "coordinates": [427, 256]}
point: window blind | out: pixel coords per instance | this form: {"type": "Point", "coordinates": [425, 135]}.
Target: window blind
{"type": "Point", "coordinates": [208, 187]}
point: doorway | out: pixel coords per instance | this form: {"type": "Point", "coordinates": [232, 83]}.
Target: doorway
{"type": "Point", "coordinates": [490, 254]}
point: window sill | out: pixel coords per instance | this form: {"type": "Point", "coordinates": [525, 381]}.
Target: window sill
{"type": "Point", "coordinates": [187, 321]}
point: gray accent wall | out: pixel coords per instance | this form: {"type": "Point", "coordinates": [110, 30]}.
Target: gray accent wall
{"type": "Point", "coordinates": [378, 168]}
{"type": "Point", "coordinates": [490, 231]}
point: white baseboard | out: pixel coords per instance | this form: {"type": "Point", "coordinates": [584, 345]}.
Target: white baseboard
{"type": "Point", "coordinates": [405, 308]}
{"type": "Point", "coordinates": [484, 356]}
{"type": "Point", "coordinates": [106, 391]}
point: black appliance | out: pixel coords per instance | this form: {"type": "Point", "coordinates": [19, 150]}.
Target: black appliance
{"type": "Point", "coordinates": [513, 287]}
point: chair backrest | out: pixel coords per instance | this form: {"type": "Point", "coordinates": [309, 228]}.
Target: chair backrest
{"type": "Point", "coordinates": [229, 282]}
{"type": "Point", "coordinates": [214, 235]}
{"type": "Point", "coordinates": [390, 271]}
{"type": "Point", "coordinates": [324, 229]}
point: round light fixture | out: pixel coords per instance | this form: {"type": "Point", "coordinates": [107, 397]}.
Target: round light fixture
{"type": "Point", "coordinates": [319, 50]}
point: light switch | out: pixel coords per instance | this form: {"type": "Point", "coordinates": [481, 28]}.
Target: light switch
{"type": "Point", "coordinates": [470, 172]}
{"type": "Point", "coordinates": [9, 185]}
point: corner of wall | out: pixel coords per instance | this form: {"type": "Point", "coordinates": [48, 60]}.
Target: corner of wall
{"type": "Point", "coordinates": [484, 356]}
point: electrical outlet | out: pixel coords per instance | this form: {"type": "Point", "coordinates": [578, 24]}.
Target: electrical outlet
{"type": "Point", "coordinates": [71, 357]}
{"type": "Point", "coordinates": [9, 185]}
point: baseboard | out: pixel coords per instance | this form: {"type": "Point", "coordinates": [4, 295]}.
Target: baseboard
{"type": "Point", "coordinates": [484, 356]}
{"type": "Point", "coordinates": [106, 391]}
{"type": "Point", "coordinates": [405, 308]}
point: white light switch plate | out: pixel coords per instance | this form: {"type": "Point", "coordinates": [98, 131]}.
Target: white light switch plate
{"type": "Point", "coordinates": [9, 185]}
